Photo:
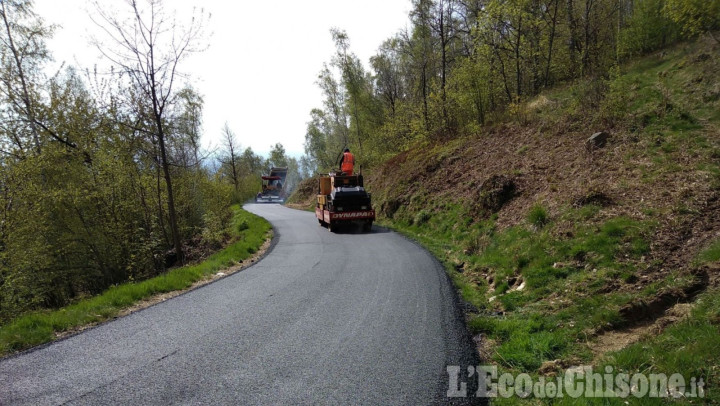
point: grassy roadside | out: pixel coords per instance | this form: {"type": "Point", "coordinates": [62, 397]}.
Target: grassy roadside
{"type": "Point", "coordinates": [575, 256]}
{"type": "Point", "coordinates": [523, 332]}
{"type": "Point", "coordinates": [515, 310]}
{"type": "Point", "coordinates": [249, 232]}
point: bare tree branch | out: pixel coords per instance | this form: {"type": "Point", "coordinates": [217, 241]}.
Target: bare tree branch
{"type": "Point", "coordinates": [142, 49]}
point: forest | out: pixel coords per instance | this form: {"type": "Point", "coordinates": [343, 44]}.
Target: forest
{"type": "Point", "coordinates": [102, 177]}
{"type": "Point", "coordinates": [462, 65]}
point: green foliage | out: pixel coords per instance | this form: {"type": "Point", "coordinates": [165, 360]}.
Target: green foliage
{"type": "Point", "coordinates": [694, 16]}
{"type": "Point", "coordinates": [40, 327]}
{"type": "Point", "coordinates": [538, 216]}
{"type": "Point", "coordinates": [77, 230]}
{"type": "Point", "coordinates": [462, 65]}
{"type": "Point", "coordinates": [215, 232]}
{"type": "Point", "coordinates": [647, 29]}
{"type": "Point", "coordinates": [614, 106]}
{"type": "Point", "coordinates": [85, 198]}
{"type": "Point", "coordinates": [277, 157]}
{"type": "Point", "coordinates": [546, 293]}
{"type": "Point", "coordinates": [533, 328]}
{"type": "Point", "coordinates": [422, 217]}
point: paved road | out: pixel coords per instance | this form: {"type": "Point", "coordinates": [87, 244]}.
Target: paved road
{"type": "Point", "coordinates": [322, 319]}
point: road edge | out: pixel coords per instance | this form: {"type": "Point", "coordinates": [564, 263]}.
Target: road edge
{"type": "Point", "coordinates": [268, 245]}
{"type": "Point", "coordinates": [466, 353]}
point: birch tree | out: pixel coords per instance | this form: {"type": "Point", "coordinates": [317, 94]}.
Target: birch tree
{"type": "Point", "coordinates": [148, 45]}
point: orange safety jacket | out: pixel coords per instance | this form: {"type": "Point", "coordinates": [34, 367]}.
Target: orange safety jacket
{"type": "Point", "coordinates": [347, 163]}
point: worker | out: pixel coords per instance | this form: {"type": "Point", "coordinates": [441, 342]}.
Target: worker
{"type": "Point", "coordinates": [347, 162]}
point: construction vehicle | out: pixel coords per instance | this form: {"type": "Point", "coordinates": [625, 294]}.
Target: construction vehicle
{"type": "Point", "coordinates": [273, 187]}
{"type": "Point", "coordinates": [342, 200]}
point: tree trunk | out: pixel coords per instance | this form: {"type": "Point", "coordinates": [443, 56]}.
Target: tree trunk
{"type": "Point", "coordinates": [586, 50]}
{"type": "Point", "coordinates": [518, 71]}
{"type": "Point", "coordinates": [161, 212]}
{"type": "Point", "coordinates": [443, 68]}
{"type": "Point", "coordinates": [508, 93]}
{"type": "Point", "coordinates": [236, 181]}
{"type": "Point", "coordinates": [25, 96]}
{"type": "Point", "coordinates": [550, 45]}
{"type": "Point", "coordinates": [423, 78]}
{"type": "Point", "coordinates": [573, 42]}
{"type": "Point", "coordinates": [172, 215]}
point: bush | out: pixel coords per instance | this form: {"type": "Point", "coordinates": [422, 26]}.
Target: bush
{"type": "Point", "coordinates": [648, 29]}
{"type": "Point", "coordinates": [421, 218]}
{"type": "Point", "coordinates": [614, 106]}
{"type": "Point", "coordinates": [538, 216]}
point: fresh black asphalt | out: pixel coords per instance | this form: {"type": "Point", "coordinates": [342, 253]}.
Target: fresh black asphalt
{"type": "Point", "coordinates": [323, 318]}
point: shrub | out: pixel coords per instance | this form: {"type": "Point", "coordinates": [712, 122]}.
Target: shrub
{"type": "Point", "coordinates": [421, 218]}
{"type": "Point", "coordinates": [538, 216]}
{"type": "Point", "coordinates": [214, 232]}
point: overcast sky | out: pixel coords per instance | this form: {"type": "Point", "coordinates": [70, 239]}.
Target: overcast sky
{"type": "Point", "coordinates": [259, 71]}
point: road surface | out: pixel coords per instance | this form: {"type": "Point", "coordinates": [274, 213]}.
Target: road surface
{"type": "Point", "coordinates": [322, 319]}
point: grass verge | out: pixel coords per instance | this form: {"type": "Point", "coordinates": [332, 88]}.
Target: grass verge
{"type": "Point", "coordinates": [688, 348]}
{"type": "Point", "coordinates": [512, 277]}
{"type": "Point", "coordinates": [522, 328]}
{"type": "Point", "coordinates": [249, 231]}
{"type": "Point", "coordinates": [575, 261]}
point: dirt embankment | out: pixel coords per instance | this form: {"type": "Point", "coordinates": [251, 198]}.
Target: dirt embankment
{"type": "Point", "coordinates": [303, 197]}
{"type": "Point", "coordinates": [657, 165]}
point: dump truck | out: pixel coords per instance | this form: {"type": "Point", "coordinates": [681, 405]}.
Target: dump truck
{"type": "Point", "coordinates": [342, 200]}
{"type": "Point", "coordinates": [273, 187]}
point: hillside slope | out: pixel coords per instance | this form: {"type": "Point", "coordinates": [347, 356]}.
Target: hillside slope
{"type": "Point", "coordinates": [568, 250]}
{"type": "Point", "coordinates": [574, 252]}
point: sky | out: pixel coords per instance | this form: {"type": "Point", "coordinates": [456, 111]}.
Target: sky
{"type": "Point", "coordinates": [263, 58]}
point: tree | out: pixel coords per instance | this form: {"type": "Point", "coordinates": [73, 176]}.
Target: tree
{"type": "Point", "coordinates": [389, 83]}
{"type": "Point", "coordinates": [419, 44]}
{"type": "Point", "coordinates": [23, 53]}
{"type": "Point", "coordinates": [244, 174]}
{"type": "Point", "coordinates": [335, 106]}
{"type": "Point", "coordinates": [317, 137]}
{"type": "Point", "coordinates": [460, 63]}
{"type": "Point", "coordinates": [148, 47]}
{"type": "Point", "coordinates": [695, 16]}
{"type": "Point", "coordinates": [231, 158]}
{"type": "Point", "coordinates": [553, 22]}
{"type": "Point", "coordinates": [187, 127]}
{"type": "Point", "coordinates": [251, 163]}
{"type": "Point", "coordinates": [443, 25]}
{"type": "Point", "coordinates": [352, 77]}
{"type": "Point", "coordinates": [646, 28]}
{"type": "Point", "coordinates": [277, 157]}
